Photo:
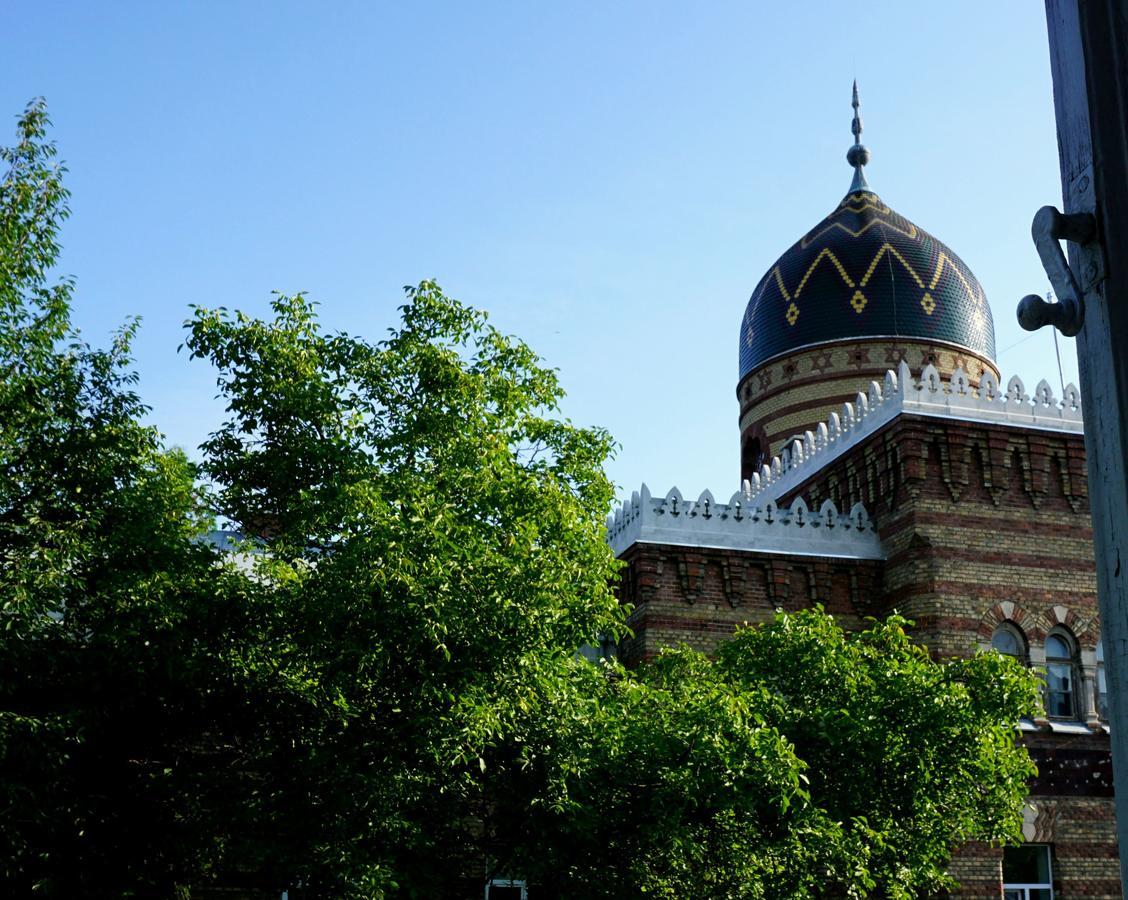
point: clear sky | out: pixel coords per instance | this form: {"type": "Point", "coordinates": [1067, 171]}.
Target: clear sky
{"type": "Point", "coordinates": [609, 180]}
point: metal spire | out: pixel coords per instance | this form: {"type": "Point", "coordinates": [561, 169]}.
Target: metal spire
{"type": "Point", "coordinates": [858, 155]}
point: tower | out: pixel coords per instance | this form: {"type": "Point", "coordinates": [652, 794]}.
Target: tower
{"type": "Point", "coordinates": [861, 291]}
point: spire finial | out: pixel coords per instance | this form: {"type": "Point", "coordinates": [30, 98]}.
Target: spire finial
{"type": "Point", "coordinates": [858, 155]}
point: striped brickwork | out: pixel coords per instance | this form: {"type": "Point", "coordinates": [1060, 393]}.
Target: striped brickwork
{"type": "Point", "coordinates": [984, 524]}
{"type": "Point", "coordinates": [698, 596]}
{"type": "Point", "coordinates": [971, 516]}
{"type": "Point", "coordinates": [793, 394]}
{"type": "Point", "coordinates": [978, 869]}
{"type": "Point", "coordinates": [1081, 834]}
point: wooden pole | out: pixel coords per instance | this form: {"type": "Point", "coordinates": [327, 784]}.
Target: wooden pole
{"type": "Point", "coordinates": [1089, 59]}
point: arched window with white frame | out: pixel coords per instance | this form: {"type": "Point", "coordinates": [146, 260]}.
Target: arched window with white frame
{"type": "Point", "coordinates": [1061, 667]}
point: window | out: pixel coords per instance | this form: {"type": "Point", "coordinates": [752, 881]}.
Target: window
{"type": "Point", "coordinates": [1026, 873]}
{"type": "Point", "coordinates": [1102, 684]}
{"type": "Point", "coordinates": [1059, 677]}
{"type": "Point", "coordinates": [506, 889]}
{"type": "Point", "coordinates": [604, 649]}
{"type": "Point", "coordinates": [1008, 640]}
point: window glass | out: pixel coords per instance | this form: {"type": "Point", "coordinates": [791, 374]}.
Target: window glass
{"type": "Point", "coordinates": [1056, 647]}
{"type": "Point", "coordinates": [1059, 689]}
{"type": "Point", "coordinates": [1026, 873]}
{"type": "Point", "coordinates": [1027, 864]}
{"type": "Point", "coordinates": [1005, 642]}
{"type": "Point", "coordinates": [506, 889]}
{"type": "Point", "coordinates": [1059, 678]}
{"type": "Point", "coordinates": [1009, 641]}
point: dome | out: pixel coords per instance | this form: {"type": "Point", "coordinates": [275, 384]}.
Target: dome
{"type": "Point", "coordinates": [865, 271]}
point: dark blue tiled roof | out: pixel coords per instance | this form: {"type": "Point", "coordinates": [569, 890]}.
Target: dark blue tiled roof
{"type": "Point", "coordinates": [864, 271]}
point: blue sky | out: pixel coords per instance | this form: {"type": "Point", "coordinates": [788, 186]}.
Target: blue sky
{"type": "Point", "coordinates": [610, 181]}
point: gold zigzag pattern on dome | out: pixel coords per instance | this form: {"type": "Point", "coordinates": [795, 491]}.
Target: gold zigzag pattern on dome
{"type": "Point", "coordinates": [865, 200]}
{"type": "Point", "coordinates": [858, 301]}
{"type": "Point", "coordinates": [811, 268]}
{"type": "Point", "coordinates": [911, 234]}
{"type": "Point", "coordinates": [779, 281]}
{"type": "Point", "coordinates": [861, 204]}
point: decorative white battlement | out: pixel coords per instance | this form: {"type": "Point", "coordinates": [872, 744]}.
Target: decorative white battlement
{"type": "Point", "coordinates": [742, 525]}
{"type": "Point", "coordinates": [930, 397]}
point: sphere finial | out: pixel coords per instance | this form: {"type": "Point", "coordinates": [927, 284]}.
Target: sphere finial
{"type": "Point", "coordinates": [858, 155]}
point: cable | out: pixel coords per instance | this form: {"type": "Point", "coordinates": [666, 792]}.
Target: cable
{"type": "Point", "coordinates": [1057, 352]}
{"type": "Point", "coordinates": [1029, 337]}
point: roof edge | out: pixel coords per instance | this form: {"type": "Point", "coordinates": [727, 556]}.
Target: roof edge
{"type": "Point", "coordinates": [931, 397]}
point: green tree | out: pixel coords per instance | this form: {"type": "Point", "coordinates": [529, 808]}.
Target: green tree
{"type": "Point", "coordinates": [106, 595]}
{"type": "Point", "coordinates": [315, 710]}
{"type": "Point", "coordinates": [912, 756]}
{"type": "Point", "coordinates": [802, 762]}
{"type": "Point", "coordinates": [432, 551]}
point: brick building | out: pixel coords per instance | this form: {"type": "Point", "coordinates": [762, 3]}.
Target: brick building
{"type": "Point", "coordinates": [886, 467]}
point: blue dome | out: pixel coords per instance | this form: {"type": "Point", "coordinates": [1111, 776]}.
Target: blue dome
{"type": "Point", "coordinates": [865, 272]}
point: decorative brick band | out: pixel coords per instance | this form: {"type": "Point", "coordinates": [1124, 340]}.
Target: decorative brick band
{"type": "Point", "coordinates": [1036, 627]}
{"type": "Point", "coordinates": [793, 393]}
{"type": "Point", "coordinates": [930, 397]}
{"type": "Point", "coordinates": [741, 525]}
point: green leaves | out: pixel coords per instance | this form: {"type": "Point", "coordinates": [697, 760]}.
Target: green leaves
{"type": "Point", "coordinates": [801, 761]}
{"type": "Point", "coordinates": [930, 747]}
{"type": "Point", "coordinates": [445, 542]}
{"type": "Point", "coordinates": [106, 597]}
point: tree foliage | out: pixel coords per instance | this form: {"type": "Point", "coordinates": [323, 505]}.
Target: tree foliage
{"type": "Point", "coordinates": [100, 681]}
{"type": "Point", "coordinates": [802, 761]}
{"type": "Point", "coordinates": [434, 546]}
{"type": "Point", "coordinates": [378, 694]}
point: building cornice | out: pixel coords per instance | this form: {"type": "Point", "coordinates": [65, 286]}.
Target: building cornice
{"type": "Point", "coordinates": [742, 525]}
{"type": "Point", "coordinates": [930, 397]}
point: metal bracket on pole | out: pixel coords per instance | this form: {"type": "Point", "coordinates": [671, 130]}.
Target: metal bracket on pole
{"type": "Point", "coordinates": [1068, 314]}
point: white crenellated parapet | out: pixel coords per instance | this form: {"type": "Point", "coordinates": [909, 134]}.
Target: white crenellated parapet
{"type": "Point", "coordinates": [741, 524]}
{"type": "Point", "coordinates": [900, 393]}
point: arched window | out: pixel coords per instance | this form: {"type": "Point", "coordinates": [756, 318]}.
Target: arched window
{"type": "Point", "coordinates": [1059, 676]}
{"type": "Point", "coordinates": [1102, 684]}
{"type": "Point", "coordinates": [1008, 640]}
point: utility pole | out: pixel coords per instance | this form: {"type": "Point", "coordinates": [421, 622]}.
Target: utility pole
{"type": "Point", "coordinates": [1089, 60]}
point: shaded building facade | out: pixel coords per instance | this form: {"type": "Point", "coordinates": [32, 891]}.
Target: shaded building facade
{"type": "Point", "coordinates": [886, 466]}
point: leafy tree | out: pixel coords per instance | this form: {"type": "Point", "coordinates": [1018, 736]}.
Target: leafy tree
{"type": "Point", "coordinates": [801, 762]}
{"type": "Point", "coordinates": [913, 757]}
{"type": "Point", "coordinates": [106, 595]}
{"type": "Point", "coordinates": [317, 711]}
{"type": "Point", "coordinates": [433, 547]}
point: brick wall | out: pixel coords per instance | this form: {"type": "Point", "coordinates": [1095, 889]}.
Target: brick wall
{"type": "Point", "coordinates": [974, 516]}
{"type": "Point", "coordinates": [698, 596]}
{"type": "Point", "coordinates": [1081, 834]}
